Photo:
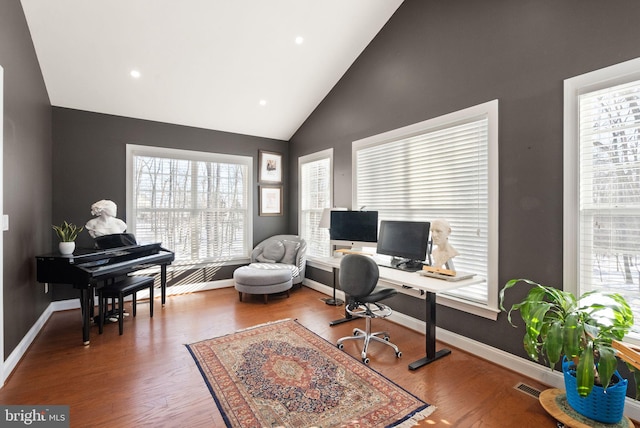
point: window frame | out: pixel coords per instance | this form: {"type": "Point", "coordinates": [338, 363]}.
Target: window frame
{"type": "Point", "coordinates": [133, 150]}
{"type": "Point", "coordinates": [489, 110]}
{"type": "Point", "coordinates": [574, 87]}
{"type": "Point", "coordinates": [306, 159]}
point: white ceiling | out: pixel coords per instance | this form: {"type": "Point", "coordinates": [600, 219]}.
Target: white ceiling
{"type": "Point", "coordinates": [203, 63]}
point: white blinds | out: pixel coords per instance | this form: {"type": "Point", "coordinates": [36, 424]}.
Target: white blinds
{"type": "Point", "coordinates": [315, 195]}
{"type": "Point", "coordinates": [439, 173]}
{"type": "Point", "coordinates": [609, 190]}
{"type": "Point", "coordinates": [196, 205]}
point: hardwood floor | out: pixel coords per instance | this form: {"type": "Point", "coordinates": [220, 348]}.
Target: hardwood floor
{"type": "Point", "coordinates": [146, 378]}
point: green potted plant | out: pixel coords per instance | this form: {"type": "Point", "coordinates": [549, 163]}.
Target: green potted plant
{"type": "Point", "coordinates": [67, 233]}
{"type": "Point", "coordinates": [584, 331]}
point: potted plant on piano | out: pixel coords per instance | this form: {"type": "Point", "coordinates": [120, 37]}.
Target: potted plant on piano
{"type": "Point", "coordinates": [67, 233]}
{"type": "Point", "coordinates": [585, 334]}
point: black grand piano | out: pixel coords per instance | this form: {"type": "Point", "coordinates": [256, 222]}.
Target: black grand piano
{"type": "Point", "coordinates": [88, 269]}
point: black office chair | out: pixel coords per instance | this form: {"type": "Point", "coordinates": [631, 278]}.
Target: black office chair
{"type": "Point", "coordinates": [358, 279]}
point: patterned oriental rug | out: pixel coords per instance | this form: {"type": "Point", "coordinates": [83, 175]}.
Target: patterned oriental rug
{"type": "Point", "coordinates": [283, 375]}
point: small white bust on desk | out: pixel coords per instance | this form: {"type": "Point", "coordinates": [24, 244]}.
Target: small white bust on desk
{"type": "Point", "coordinates": [440, 231]}
{"type": "Point", "coordinates": [443, 255]}
{"type": "Point", "coordinates": [106, 223]}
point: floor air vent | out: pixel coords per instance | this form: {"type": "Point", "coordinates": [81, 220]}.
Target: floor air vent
{"type": "Point", "coordinates": [529, 390]}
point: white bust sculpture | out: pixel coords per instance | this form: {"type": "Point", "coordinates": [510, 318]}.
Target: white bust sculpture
{"type": "Point", "coordinates": [106, 222]}
{"type": "Point", "coordinates": [440, 231]}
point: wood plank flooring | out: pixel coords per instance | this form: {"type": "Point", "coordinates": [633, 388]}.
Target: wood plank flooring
{"type": "Point", "coordinates": [146, 378]}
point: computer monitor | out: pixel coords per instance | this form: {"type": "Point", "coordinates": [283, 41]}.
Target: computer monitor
{"type": "Point", "coordinates": [354, 228]}
{"type": "Point", "coordinates": [405, 241]}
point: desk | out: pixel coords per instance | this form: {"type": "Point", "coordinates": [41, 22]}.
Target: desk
{"type": "Point", "coordinates": [416, 285]}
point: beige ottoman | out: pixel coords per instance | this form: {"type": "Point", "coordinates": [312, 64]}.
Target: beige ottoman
{"type": "Point", "coordinates": [254, 280]}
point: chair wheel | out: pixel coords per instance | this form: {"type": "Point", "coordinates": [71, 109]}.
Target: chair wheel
{"type": "Point", "coordinates": [340, 346]}
{"type": "Point", "coordinates": [365, 360]}
{"type": "Point", "coordinates": [399, 354]}
{"type": "Point", "coordinates": [386, 338]}
{"type": "Point", "coordinates": [356, 333]}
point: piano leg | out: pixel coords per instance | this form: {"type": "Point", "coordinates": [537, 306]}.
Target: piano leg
{"type": "Point", "coordinates": [163, 282]}
{"type": "Point", "coordinates": [86, 305]}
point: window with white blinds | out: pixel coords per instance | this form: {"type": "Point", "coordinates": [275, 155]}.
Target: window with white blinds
{"type": "Point", "coordinates": [442, 168]}
{"type": "Point", "coordinates": [315, 178]}
{"type": "Point", "coordinates": [605, 210]}
{"type": "Point", "coordinates": [197, 204]}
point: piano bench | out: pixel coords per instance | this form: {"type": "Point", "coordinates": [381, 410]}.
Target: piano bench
{"type": "Point", "coordinates": [119, 290]}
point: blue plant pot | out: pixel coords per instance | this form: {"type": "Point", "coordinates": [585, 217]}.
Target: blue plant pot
{"type": "Point", "coordinates": [600, 405]}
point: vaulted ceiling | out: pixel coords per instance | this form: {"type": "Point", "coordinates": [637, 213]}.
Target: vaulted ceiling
{"type": "Point", "coordinates": [255, 67]}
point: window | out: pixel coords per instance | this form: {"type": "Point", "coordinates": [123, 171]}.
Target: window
{"type": "Point", "coordinates": [315, 190]}
{"type": "Point", "coordinates": [441, 168]}
{"type": "Point", "coordinates": [602, 183]}
{"type": "Point", "coordinates": [197, 204]}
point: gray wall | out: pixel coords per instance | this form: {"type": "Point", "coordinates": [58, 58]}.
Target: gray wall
{"type": "Point", "coordinates": [27, 175]}
{"type": "Point", "coordinates": [89, 164]}
{"type": "Point", "coordinates": [438, 56]}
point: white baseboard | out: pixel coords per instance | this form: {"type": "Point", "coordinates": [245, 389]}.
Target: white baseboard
{"type": "Point", "coordinates": [16, 355]}
{"type": "Point", "coordinates": [509, 361]}
{"type": "Point", "coordinates": [322, 288]}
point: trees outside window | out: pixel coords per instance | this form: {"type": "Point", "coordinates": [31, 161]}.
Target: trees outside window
{"type": "Point", "coordinates": [315, 194]}
{"type": "Point", "coordinates": [196, 204]}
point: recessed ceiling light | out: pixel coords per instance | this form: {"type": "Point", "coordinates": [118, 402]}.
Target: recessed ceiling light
{"type": "Point", "coordinates": [299, 40]}
{"type": "Point", "coordinates": [263, 102]}
{"type": "Point", "coordinates": [135, 74]}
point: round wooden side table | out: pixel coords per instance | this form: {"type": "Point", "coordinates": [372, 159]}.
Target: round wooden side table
{"type": "Point", "coordinates": [555, 403]}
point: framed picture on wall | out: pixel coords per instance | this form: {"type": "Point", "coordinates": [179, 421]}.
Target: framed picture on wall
{"type": "Point", "coordinates": [271, 200]}
{"type": "Point", "coordinates": [270, 165]}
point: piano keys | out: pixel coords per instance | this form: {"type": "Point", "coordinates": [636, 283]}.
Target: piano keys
{"type": "Point", "coordinates": [88, 269]}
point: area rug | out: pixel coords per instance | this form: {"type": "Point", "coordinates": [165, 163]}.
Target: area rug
{"type": "Point", "coordinates": [283, 375]}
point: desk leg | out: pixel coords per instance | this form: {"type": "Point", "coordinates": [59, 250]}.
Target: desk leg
{"type": "Point", "coordinates": [334, 301]}
{"type": "Point", "coordinates": [430, 335]}
{"type": "Point", "coordinates": [346, 318]}
{"type": "Point", "coordinates": [338, 302]}
{"type": "Point", "coordinates": [163, 283]}
{"type": "Point", "coordinates": [86, 295]}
